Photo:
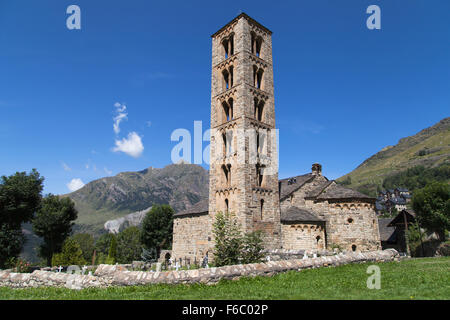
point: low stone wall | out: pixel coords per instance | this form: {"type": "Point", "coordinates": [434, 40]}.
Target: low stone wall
{"type": "Point", "coordinates": [285, 254]}
{"type": "Point", "coordinates": [51, 279]}
{"type": "Point", "coordinates": [117, 275]}
{"type": "Point", "coordinates": [213, 275]}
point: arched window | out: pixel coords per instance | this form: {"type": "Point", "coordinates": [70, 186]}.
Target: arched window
{"type": "Point", "coordinates": [226, 80]}
{"type": "Point", "coordinates": [226, 169]}
{"type": "Point", "coordinates": [228, 46]}
{"type": "Point", "coordinates": [350, 220]}
{"type": "Point", "coordinates": [353, 247]}
{"type": "Point", "coordinates": [226, 206]}
{"type": "Point", "coordinates": [230, 106]}
{"type": "Point", "coordinates": [256, 44]}
{"type": "Point", "coordinates": [225, 48]}
{"type": "Point", "coordinates": [226, 111]}
{"type": "Point", "coordinates": [259, 175]}
{"type": "Point", "coordinates": [258, 77]}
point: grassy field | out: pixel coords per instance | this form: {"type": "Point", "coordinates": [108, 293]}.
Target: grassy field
{"type": "Point", "coordinates": [427, 278]}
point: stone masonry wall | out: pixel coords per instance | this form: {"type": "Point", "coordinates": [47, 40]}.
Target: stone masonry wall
{"type": "Point", "coordinates": [295, 236]}
{"type": "Point", "coordinates": [111, 275]}
{"type": "Point", "coordinates": [192, 237]}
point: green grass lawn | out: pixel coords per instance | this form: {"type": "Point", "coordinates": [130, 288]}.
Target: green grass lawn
{"type": "Point", "coordinates": [427, 278]}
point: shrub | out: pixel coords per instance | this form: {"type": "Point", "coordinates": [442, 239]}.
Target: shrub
{"type": "Point", "coordinates": [252, 247]}
{"type": "Point", "coordinates": [71, 254]}
{"type": "Point", "coordinates": [86, 243]}
{"type": "Point", "coordinates": [231, 247]}
{"type": "Point", "coordinates": [228, 239]}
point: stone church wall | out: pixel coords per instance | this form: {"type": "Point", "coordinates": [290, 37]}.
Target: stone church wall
{"type": "Point", "coordinates": [192, 237]}
{"type": "Point", "coordinates": [295, 236]}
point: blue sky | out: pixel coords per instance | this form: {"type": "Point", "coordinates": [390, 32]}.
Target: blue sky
{"type": "Point", "coordinates": [342, 92]}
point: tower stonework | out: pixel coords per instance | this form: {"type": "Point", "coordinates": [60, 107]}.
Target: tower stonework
{"type": "Point", "coordinates": [244, 159]}
{"type": "Point", "coordinates": [305, 212]}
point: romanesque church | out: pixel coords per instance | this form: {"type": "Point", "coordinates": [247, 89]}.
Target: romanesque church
{"type": "Point", "coordinates": [306, 212]}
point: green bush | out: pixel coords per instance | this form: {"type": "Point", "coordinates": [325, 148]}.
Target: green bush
{"type": "Point", "coordinates": [252, 247]}
{"type": "Point", "coordinates": [86, 243]}
{"type": "Point", "coordinates": [71, 254]}
{"type": "Point", "coordinates": [231, 247]}
{"type": "Point", "coordinates": [228, 239]}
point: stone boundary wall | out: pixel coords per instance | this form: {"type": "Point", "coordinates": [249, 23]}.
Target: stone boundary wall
{"type": "Point", "coordinates": [213, 275]}
{"type": "Point", "coordinates": [114, 275]}
{"type": "Point", "coordinates": [51, 279]}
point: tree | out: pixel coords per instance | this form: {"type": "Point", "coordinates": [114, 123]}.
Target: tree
{"type": "Point", "coordinates": [20, 196]}
{"type": "Point", "coordinates": [112, 254]}
{"type": "Point", "coordinates": [157, 228]}
{"type": "Point", "coordinates": [228, 240]}
{"type": "Point", "coordinates": [86, 243]}
{"type": "Point", "coordinates": [432, 206]}
{"type": "Point", "coordinates": [11, 242]}
{"type": "Point", "coordinates": [53, 222]}
{"type": "Point", "coordinates": [129, 247]}
{"type": "Point", "coordinates": [103, 243]}
{"type": "Point", "coordinates": [71, 254]}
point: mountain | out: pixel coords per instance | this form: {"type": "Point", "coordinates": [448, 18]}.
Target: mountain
{"type": "Point", "coordinates": [430, 148]}
{"type": "Point", "coordinates": [110, 198]}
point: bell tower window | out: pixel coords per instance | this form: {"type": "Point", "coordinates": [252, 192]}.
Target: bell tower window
{"type": "Point", "coordinates": [258, 77]}
{"type": "Point", "coordinates": [228, 46]}
{"type": "Point", "coordinates": [256, 44]}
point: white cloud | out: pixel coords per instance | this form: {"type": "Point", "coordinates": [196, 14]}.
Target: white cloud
{"type": "Point", "coordinates": [132, 145]}
{"type": "Point", "coordinates": [120, 116]}
{"type": "Point", "coordinates": [75, 184]}
{"type": "Point", "coordinates": [66, 167]}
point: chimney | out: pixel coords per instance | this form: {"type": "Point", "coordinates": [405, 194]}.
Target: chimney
{"type": "Point", "coordinates": [316, 169]}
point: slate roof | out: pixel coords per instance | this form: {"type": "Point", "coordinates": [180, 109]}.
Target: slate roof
{"type": "Point", "coordinates": [318, 190]}
{"type": "Point", "coordinates": [379, 205]}
{"type": "Point", "coordinates": [399, 218]}
{"type": "Point", "coordinates": [335, 191]}
{"type": "Point", "coordinates": [294, 214]}
{"type": "Point", "coordinates": [286, 189]}
{"type": "Point", "coordinates": [387, 233]}
{"type": "Point", "coordinates": [200, 207]}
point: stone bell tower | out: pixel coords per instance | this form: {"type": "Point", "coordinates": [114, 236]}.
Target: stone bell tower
{"type": "Point", "coordinates": [244, 156]}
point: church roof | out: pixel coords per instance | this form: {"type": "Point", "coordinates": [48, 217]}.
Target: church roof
{"type": "Point", "coordinates": [294, 214]}
{"type": "Point", "coordinates": [198, 208]}
{"type": "Point", "coordinates": [387, 232]}
{"type": "Point", "coordinates": [289, 185]}
{"type": "Point", "coordinates": [336, 191]}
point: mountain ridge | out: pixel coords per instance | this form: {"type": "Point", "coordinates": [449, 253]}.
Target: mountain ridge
{"type": "Point", "coordinates": [430, 148]}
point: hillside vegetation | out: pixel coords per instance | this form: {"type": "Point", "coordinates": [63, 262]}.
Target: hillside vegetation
{"type": "Point", "coordinates": [430, 148]}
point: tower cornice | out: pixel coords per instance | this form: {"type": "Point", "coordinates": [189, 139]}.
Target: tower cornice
{"type": "Point", "coordinates": [249, 19]}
